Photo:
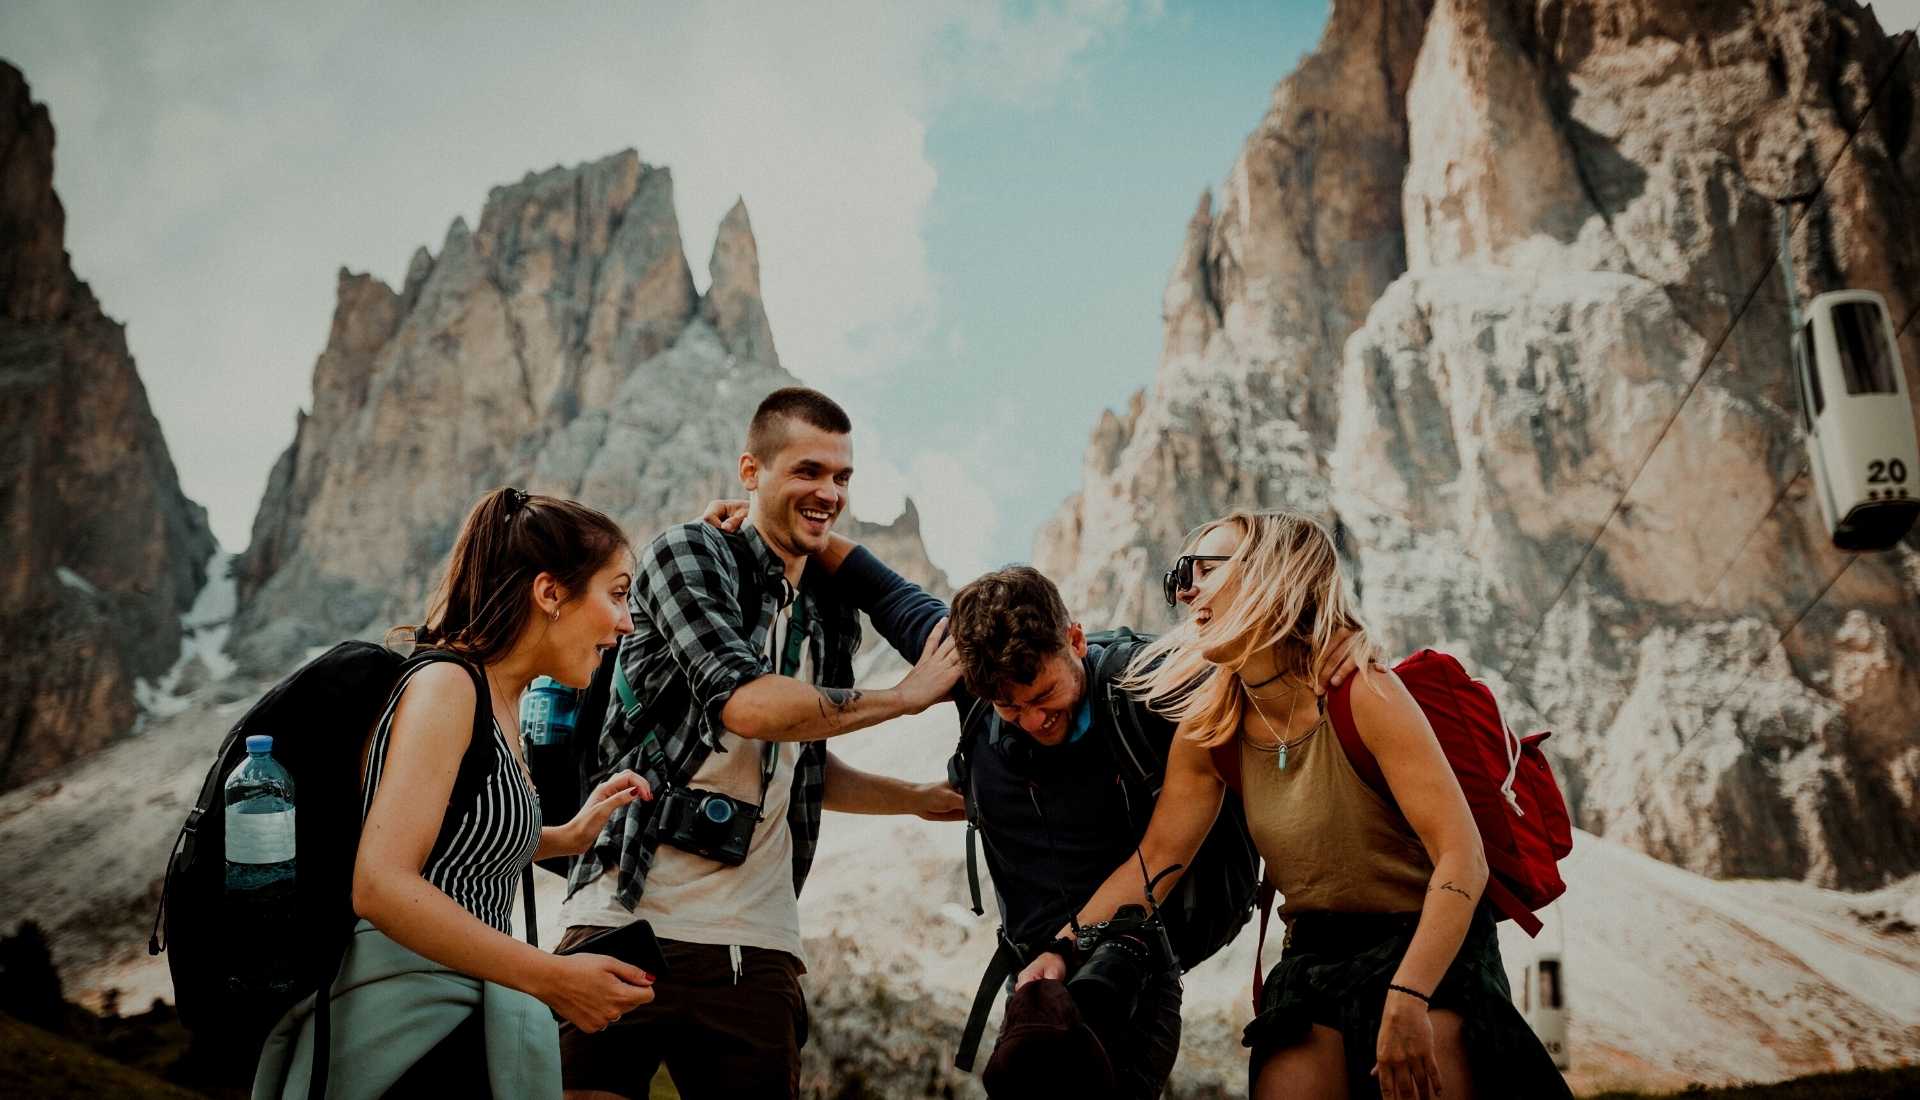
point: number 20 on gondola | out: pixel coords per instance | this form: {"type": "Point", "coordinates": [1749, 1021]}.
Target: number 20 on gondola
{"type": "Point", "coordinates": [1858, 418]}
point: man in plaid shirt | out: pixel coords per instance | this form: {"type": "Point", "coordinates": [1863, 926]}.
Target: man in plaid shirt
{"type": "Point", "coordinates": [739, 701]}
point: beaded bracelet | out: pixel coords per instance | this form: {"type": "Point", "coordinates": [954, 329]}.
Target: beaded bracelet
{"type": "Point", "coordinates": [1423, 998]}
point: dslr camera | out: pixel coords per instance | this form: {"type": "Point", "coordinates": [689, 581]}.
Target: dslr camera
{"type": "Point", "coordinates": [1116, 958]}
{"type": "Point", "coordinates": [710, 824]}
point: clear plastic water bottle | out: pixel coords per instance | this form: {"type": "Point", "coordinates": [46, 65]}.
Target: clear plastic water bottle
{"type": "Point", "coordinates": [547, 712]}
{"type": "Point", "coordinates": [260, 872]}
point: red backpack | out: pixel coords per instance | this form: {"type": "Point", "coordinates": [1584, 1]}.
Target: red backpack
{"type": "Point", "coordinates": [1516, 805]}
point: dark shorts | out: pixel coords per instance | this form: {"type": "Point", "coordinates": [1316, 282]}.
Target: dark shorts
{"type": "Point", "coordinates": [1334, 972]}
{"type": "Point", "coordinates": [718, 1037]}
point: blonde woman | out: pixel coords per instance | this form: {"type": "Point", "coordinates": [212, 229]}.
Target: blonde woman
{"type": "Point", "coordinates": [1390, 982]}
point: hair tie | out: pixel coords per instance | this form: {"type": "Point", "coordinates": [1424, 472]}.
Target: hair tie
{"type": "Point", "coordinates": [516, 500]}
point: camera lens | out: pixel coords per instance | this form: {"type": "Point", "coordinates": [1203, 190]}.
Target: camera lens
{"type": "Point", "coordinates": [717, 810]}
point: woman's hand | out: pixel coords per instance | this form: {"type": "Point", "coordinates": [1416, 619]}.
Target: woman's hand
{"type": "Point", "coordinates": [727, 515]}
{"type": "Point", "coordinates": [592, 991]}
{"type": "Point", "coordinates": [1403, 1058]}
{"type": "Point", "coordinates": [622, 790]}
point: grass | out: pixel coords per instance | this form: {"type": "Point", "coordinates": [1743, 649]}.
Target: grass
{"type": "Point", "coordinates": [1900, 1083]}
{"type": "Point", "coordinates": [40, 1063]}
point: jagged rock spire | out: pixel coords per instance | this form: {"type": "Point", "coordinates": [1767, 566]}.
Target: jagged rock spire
{"type": "Point", "coordinates": [732, 304]}
{"type": "Point", "coordinates": [1187, 307]}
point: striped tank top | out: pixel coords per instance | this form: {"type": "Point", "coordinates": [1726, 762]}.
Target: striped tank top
{"type": "Point", "coordinates": [486, 843]}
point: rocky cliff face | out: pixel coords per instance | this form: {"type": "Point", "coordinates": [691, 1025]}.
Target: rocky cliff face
{"type": "Point", "coordinates": [561, 346]}
{"type": "Point", "coordinates": [1579, 198]}
{"type": "Point", "coordinates": [102, 552]}
{"type": "Point", "coordinates": [1270, 281]}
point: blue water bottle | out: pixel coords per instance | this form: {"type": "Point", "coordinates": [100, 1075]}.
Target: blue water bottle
{"type": "Point", "coordinates": [547, 712]}
{"type": "Point", "coordinates": [260, 872]}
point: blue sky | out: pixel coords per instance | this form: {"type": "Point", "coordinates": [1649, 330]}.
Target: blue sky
{"type": "Point", "coordinates": [1051, 232]}
{"type": "Point", "coordinates": [965, 211]}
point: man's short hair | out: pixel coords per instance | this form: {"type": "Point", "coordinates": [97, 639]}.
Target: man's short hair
{"type": "Point", "coordinates": [1005, 626]}
{"type": "Point", "coordinates": [772, 421]}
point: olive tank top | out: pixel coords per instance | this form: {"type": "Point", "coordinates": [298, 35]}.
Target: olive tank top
{"type": "Point", "coordinates": [1331, 843]}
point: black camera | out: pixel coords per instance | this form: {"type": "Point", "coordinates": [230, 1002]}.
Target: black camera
{"type": "Point", "coordinates": [708, 823]}
{"type": "Point", "coordinates": [1116, 959]}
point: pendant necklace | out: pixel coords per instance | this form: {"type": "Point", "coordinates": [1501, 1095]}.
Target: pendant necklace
{"type": "Point", "coordinates": [1281, 744]}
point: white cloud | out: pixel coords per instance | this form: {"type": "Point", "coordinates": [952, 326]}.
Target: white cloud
{"type": "Point", "coordinates": [959, 518]}
{"type": "Point", "coordinates": [219, 162]}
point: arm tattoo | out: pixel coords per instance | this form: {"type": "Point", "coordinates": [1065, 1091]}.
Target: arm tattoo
{"type": "Point", "coordinates": [1450, 888]}
{"type": "Point", "coordinates": [835, 702]}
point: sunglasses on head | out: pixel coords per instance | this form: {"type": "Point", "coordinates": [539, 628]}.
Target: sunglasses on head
{"type": "Point", "coordinates": [1180, 577]}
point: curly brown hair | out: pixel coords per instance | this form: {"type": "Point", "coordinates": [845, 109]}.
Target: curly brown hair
{"type": "Point", "coordinates": [1005, 625]}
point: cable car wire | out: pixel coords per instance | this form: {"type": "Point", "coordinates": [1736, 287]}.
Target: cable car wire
{"type": "Point", "coordinates": [1753, 664]}
{"type": "Point", "coordinates": [1707, 364]}
{"type": "Point", "coordinates": [1741, 548]}
{"type": "Point", "coordinates": [1899, 334]}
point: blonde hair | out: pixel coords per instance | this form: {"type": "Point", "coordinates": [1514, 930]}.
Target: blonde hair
{"type": "Point", "coordinates": [1280, 590]}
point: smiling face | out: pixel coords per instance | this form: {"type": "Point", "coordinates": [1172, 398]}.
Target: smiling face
{"type": "Point", "coordinates": [1043, 707]}
{"type": "Point", "coordinates": [589, 623]}
{"type": "Point", "coordinates": [801, 490]}
{"type": "Point", "coordinates": [1208, 576]}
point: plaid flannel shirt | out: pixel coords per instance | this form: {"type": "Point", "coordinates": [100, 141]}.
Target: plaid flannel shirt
{"type": "Point", "coordinates": [688, 654]}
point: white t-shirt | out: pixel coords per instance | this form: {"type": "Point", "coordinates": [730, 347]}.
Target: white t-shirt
{"type": "Point", "coordinates": [696, 900]}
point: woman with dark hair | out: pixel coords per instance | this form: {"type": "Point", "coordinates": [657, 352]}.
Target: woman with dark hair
{"type": "Point", "coordinates": [1390, 982]}
{"type": "Point", "coordinates": [436, 993]}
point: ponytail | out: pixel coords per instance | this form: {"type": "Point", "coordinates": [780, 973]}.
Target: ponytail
{"type": "Point", "coordinates": [484, 597]}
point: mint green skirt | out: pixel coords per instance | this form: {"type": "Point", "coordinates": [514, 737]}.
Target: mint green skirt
{"type": "Point", "coordinates": [390, 1007]}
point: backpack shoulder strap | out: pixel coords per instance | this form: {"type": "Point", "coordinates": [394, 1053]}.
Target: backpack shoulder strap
{"type": "Point", "coordinates": [960, 775]}
{"type": "Point", "coordinates": [1340, 716]}
{"type": "Point", "coordinates": [1226, 761]}
{"type": "Point", "coordinates": [473, 763]}
{"type": "Point", "coordinates": [1145, 739]}
{"type": "Point", "coordinates": [482, 702]}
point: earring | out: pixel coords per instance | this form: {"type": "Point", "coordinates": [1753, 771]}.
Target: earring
{"type": "Point", "coordinates": [554, 615]}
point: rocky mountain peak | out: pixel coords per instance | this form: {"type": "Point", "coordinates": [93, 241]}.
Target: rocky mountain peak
{"type": "Point", "coordinates": [102, 552]}
{"type": "Point", "coordinates": [34, 279]}
{"type": "Point", "coordinates": [1465, 269]}
{"type": "Point", "coordinates": [558, 346]}
{"type": "Point", "coordinates": [733, 306]}
{"type": "Point", "coordinates": [1187, 309]}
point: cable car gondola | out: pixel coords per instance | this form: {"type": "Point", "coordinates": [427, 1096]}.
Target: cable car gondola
{"type": "Point", "coordinates": [1543, 1004]}
{"type": "Point", "coordinates": [1858, 419]}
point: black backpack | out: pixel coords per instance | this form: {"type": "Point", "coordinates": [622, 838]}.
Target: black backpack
{"type": "Point", "coordinates": [320, 718]}
{"type": "Point", "coordinates": [567, 771]}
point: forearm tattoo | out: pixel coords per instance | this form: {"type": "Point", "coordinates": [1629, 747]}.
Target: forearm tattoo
{"type": "Point", "coordinates": [836, 702]}
{"type": "Point", "coordinates": [1450, 888]}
